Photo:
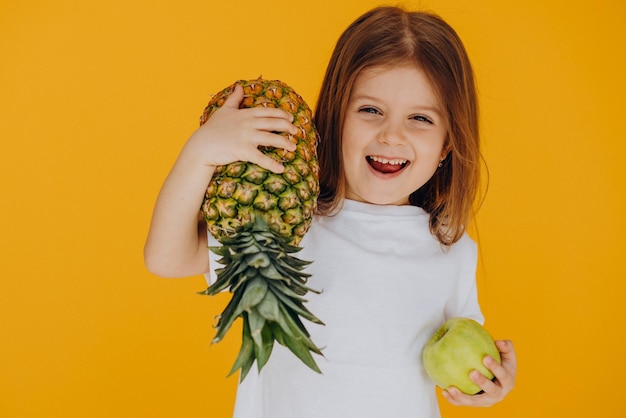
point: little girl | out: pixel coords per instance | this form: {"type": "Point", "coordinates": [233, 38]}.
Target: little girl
{"type": "Point", "coordinates": [399, 159]}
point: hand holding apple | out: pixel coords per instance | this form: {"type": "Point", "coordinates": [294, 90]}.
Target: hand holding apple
{"type": "Point", "coordinates": [457, 348]}
{"type": "Point", "coordinates": [494, 390]}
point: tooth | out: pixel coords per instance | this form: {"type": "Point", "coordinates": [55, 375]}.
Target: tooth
{"type": "Point", "coordinates": [381, 160]}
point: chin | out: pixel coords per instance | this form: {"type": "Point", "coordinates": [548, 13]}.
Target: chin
{"type": "Point", "coordinates": [375, 197]}
{"type": "Point", "coordinates": [393, 201]}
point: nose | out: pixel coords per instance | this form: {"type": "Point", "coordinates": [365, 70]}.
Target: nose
{"type": "Point", "coordinates": [391, 134]}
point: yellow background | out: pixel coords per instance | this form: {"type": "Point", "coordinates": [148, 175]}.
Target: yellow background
{"type": "Point", "coordinates": [97, 98]}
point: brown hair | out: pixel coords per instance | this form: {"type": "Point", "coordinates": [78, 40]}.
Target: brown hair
{"type": "Point", "coordinates": [387, 36]}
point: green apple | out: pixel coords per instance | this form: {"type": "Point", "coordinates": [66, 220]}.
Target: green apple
{"type": "Point", "coordinates": [454, 350]}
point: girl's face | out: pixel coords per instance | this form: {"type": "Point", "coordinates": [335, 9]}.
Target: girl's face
{"type": "Point", "coordinates": [393, 135]}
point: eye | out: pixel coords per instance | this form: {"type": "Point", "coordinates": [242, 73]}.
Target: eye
{"type": "Point", "coordinates": [422, 118]}
{"type": "Point", "coordinates": [371, 110]}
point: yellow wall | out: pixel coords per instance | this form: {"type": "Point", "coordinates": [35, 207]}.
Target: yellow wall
{"type": "Point", "coordinates": [97, 97]}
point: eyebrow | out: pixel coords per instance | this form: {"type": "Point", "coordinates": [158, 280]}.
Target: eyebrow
{"type": "Point", "coordinates": [434, 109]}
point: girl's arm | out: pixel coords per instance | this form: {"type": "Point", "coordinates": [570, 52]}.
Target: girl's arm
{"type": "Point", "coordinates": [176, 245]}
{"type": "Point", "coordinates": [493, 391]}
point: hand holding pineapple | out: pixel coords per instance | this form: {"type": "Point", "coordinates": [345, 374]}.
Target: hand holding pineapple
{"type": "Point", "coordinates": [234, 134]}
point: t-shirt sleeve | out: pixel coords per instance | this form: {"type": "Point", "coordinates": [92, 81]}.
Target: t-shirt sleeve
{"type": "Point", "coordinates": [465, 302]}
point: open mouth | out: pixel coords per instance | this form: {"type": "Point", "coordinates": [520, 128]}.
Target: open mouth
{"type": "Point", "coordinates": [386, 166]}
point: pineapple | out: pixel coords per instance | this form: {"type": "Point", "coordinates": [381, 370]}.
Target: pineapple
{"type": "Point", "coordinates": [260, 217]}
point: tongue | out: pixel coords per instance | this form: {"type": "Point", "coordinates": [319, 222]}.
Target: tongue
{"type": "Point", "coordinates": [385, 168]}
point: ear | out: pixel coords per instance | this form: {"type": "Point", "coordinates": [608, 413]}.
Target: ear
{"type": "Point", "coordinates": [445, 152]}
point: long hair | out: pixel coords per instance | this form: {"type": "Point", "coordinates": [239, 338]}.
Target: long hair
{"type": "Point", "coordinates": [387, 36]}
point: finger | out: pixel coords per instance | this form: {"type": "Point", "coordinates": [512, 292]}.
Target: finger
{"type": "Point", "coordinates": [489, 387]}
{"type": "Point", "coordinates": [452, 395]}
{"type": "Point", "coordinates": [504, 375]}
{"type": "Point", "coordinates": [273, 140]}
{"type": "Point", "coordinates": [491, 392]}
{"type": "Point", "coordinates": [498, 370]}
{"type": "Point", "coordinates": [509, 358]}
{"type": "Point", "coordinates": [269, 112]}
{"type": "Point", "coordinates": [272, 125]}
{"type": "Point", "coordinates": [287, 143]}
{"type": "Point", "coordinates": [267, 162]}
{"type": "Point", "coordinates": [506, 347]}
{"type": "Point", "coordinates": [234, 99]}
{"type": "Point", "coordinates": [458, 398]}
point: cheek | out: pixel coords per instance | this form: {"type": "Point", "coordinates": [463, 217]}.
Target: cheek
{"type": "Point", "coordinates": [350, 150]}
{"type": "Point", "coordinates": [349, 162]}
{"type": "Point", "coordinates": [433, 149]}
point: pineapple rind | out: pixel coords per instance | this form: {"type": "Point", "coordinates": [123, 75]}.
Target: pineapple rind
{"type": "Point", "coordinates": [301, 166]}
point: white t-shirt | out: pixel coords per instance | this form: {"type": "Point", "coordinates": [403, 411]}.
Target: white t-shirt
{"type": "Point", "coordinates": [387, 284]}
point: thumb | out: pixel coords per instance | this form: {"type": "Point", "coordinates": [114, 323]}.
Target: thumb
{"type": "Point", "coordinates": [235, 98]}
